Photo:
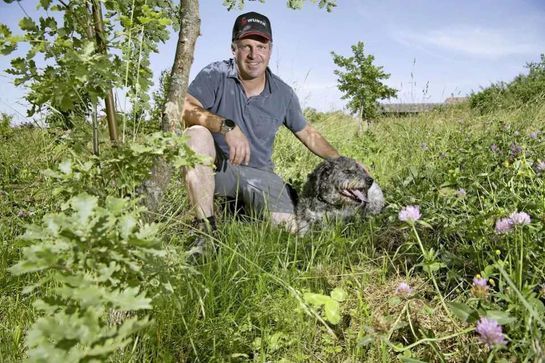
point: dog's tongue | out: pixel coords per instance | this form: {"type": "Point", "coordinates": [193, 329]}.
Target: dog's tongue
{"type": "Point", "coordinates": [357, 194]}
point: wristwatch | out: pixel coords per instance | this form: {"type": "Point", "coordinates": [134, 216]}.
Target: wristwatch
{"type": "Point", "coordinates": [226, 126]}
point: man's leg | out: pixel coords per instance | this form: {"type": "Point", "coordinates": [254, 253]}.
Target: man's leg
{"type": "Point", "coordinates": [200, 180]}
{"type": "Point", "coordinates": [266, 191]}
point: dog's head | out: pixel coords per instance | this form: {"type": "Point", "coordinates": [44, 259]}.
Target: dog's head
{"type": "Point", "coordinates": [339, 182]}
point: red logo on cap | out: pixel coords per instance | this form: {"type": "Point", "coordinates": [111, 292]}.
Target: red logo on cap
{"type": "Point", "coordinates": [243, 21]}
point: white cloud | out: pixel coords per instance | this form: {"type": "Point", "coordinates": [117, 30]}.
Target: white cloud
{"type": "Point", "coordinates": [475, 41]}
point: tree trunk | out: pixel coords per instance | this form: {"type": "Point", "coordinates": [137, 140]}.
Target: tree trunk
{"type": "Point", "coordinates": [154, 188]}
{"type": "Point", "coordinates": [360, 122]}
{"type": "Point", "coordinates": [179, 75]}
{"type": "Point", "coordinates": [101, 45]}
{"type": "Point", "coordinates": [363, 122]}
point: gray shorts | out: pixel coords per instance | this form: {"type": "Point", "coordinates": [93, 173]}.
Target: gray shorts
{"type": "Point", "coordinates": [259, 190]}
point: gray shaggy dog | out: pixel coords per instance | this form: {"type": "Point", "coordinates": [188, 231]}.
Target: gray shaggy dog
{"type": "Point", "coordinates": [337, 189]}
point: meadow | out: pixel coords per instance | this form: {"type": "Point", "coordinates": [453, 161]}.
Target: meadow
{"type": "Point", "coordinates": [451, 271]}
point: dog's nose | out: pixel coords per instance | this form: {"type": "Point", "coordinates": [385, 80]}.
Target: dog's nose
{"type": "Point", "coordinates": [369, 180]}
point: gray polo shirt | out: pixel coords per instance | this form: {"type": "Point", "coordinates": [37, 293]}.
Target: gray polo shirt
{"type": "Point", "coordinates": [219, 90]}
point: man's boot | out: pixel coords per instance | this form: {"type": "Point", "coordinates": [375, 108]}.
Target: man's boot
{"type": "Point", "coordinates": [205, 233]}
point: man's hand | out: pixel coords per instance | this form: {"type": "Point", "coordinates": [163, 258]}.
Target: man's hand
{"type": "Point", "coordinates": [239, 147]}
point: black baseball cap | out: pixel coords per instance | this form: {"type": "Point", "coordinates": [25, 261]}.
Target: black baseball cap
{"type": "Point", "coordinates": [252, 23]}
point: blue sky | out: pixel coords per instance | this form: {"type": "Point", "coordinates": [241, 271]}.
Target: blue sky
{"type": "Point", "coordinates": [432, 49]}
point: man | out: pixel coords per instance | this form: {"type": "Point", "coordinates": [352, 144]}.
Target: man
{"type": "Point", "coordinates": [232, 113]}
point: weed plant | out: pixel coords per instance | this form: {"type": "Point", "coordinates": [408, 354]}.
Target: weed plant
{"type": "Point", "coordinates": [460, 281]}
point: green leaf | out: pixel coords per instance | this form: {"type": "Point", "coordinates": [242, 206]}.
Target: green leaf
{"type": "Point", "coordinates": [332, 311]}
{"type": "Point", "coordinates": [331, 306]}
{"type": "Point", "coordinates": [5, 32]}
{"type": "Point", "coordinates": [316, 300]}
{"type": "Point", "coordinates": [87, 51]}
{"type": "Point", "coordinates": [395, 300]}
{"type": "Point", "coordinates": [338, 294]}
{"type": "Point", "coordinates": [537, 304]}
{"type": "Point", "coordinates": [85, 295]}
{"type": "Point", "coordinates": [45, 3]}
{"type": "Point", "coordinates": [84, 205]}
{"type": "Point", "coordinates": [447, 192]}
{"type": "Point", "coordinates": [19, 64]}
{"type": "Point", "coordinates": [141, 149]}
{"type": "Point", "coordinates": [66, 167]}
{"type": "Point", "coordinates": [488, 271]}
{"type": "Point", "coordinates": [144, 19]}
{"type": "Point", "coordinates": [127, 224]}
{"type": "Point", "coordinates": [54, 223]}
{"type": "Point", "coordinates": [27, 24]}
{"type": "Point", "coordinates": [30, 288]}
{"type": "Point", "coordinates": [502, 317]}
{"type": "Point", "coordinates": [424, 224]}
{"type": "Point", "coordinates": [115, 205]}
{"type": "Point", "coordinates": [8, 43]}
{"type": "Point", "coordinates": [7, 48]}
{"type": "Point", "coordinates": [87, 166]}
{"type": "Point", "coordinates": [165, 22]}
{"type": "Point", "coordinates": [148, 232]}
{"type": "Point", "coordinates": [434, 266]}
{"type": "Point", "coordinates": [129, 299]}
{"type": "Point", "coordinates": [462, 311]}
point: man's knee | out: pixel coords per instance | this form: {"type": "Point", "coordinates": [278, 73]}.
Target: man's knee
{"type": "Point", "coordinates": [200, 140]}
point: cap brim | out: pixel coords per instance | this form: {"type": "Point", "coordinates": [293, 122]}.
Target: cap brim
{"type": "Point", "coordinates": [261, 34]}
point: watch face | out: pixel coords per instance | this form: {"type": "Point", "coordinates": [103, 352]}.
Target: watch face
{"type": "Point", "coordinates": [229, 123]}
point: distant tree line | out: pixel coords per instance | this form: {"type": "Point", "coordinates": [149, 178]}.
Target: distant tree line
{"type": "Point", "coordinates": [524, 89]}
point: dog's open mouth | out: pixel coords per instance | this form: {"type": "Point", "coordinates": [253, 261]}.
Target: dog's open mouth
{"type": "Point", "coordinates": [354, 194]}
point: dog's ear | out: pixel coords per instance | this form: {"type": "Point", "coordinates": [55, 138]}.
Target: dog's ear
{"type": "Point", "coordinates": [312, 186]}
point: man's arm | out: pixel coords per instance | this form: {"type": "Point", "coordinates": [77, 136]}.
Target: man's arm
{"type": "Point", "coordinates": [316, 143]}
{"type": "Point", "coordinates": [195, 114]}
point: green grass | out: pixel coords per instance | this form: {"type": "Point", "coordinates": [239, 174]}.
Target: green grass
{"type": "Point", "coordinates": [247, 303]}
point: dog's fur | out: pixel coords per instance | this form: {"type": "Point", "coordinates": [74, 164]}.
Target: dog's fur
{"type": "Point", "coordinates": [337, 189]}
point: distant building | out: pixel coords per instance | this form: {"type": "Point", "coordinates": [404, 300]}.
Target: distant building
{"type": "Point", "coordinates": [456, 100]}
{"type": "Point", "coordinates": [415, 108]}
{"type": "Point", "coordinates": [407, 108]}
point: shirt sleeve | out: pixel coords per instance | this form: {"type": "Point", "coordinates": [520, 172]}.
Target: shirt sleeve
{"type": "Point", "coordinates": [205, 85]}
{"type": "Point", "coordinates": [295, 121]}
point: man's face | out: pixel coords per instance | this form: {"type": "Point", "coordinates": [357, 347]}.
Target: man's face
{"type": "Point", "coordinates": [252, 55]}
